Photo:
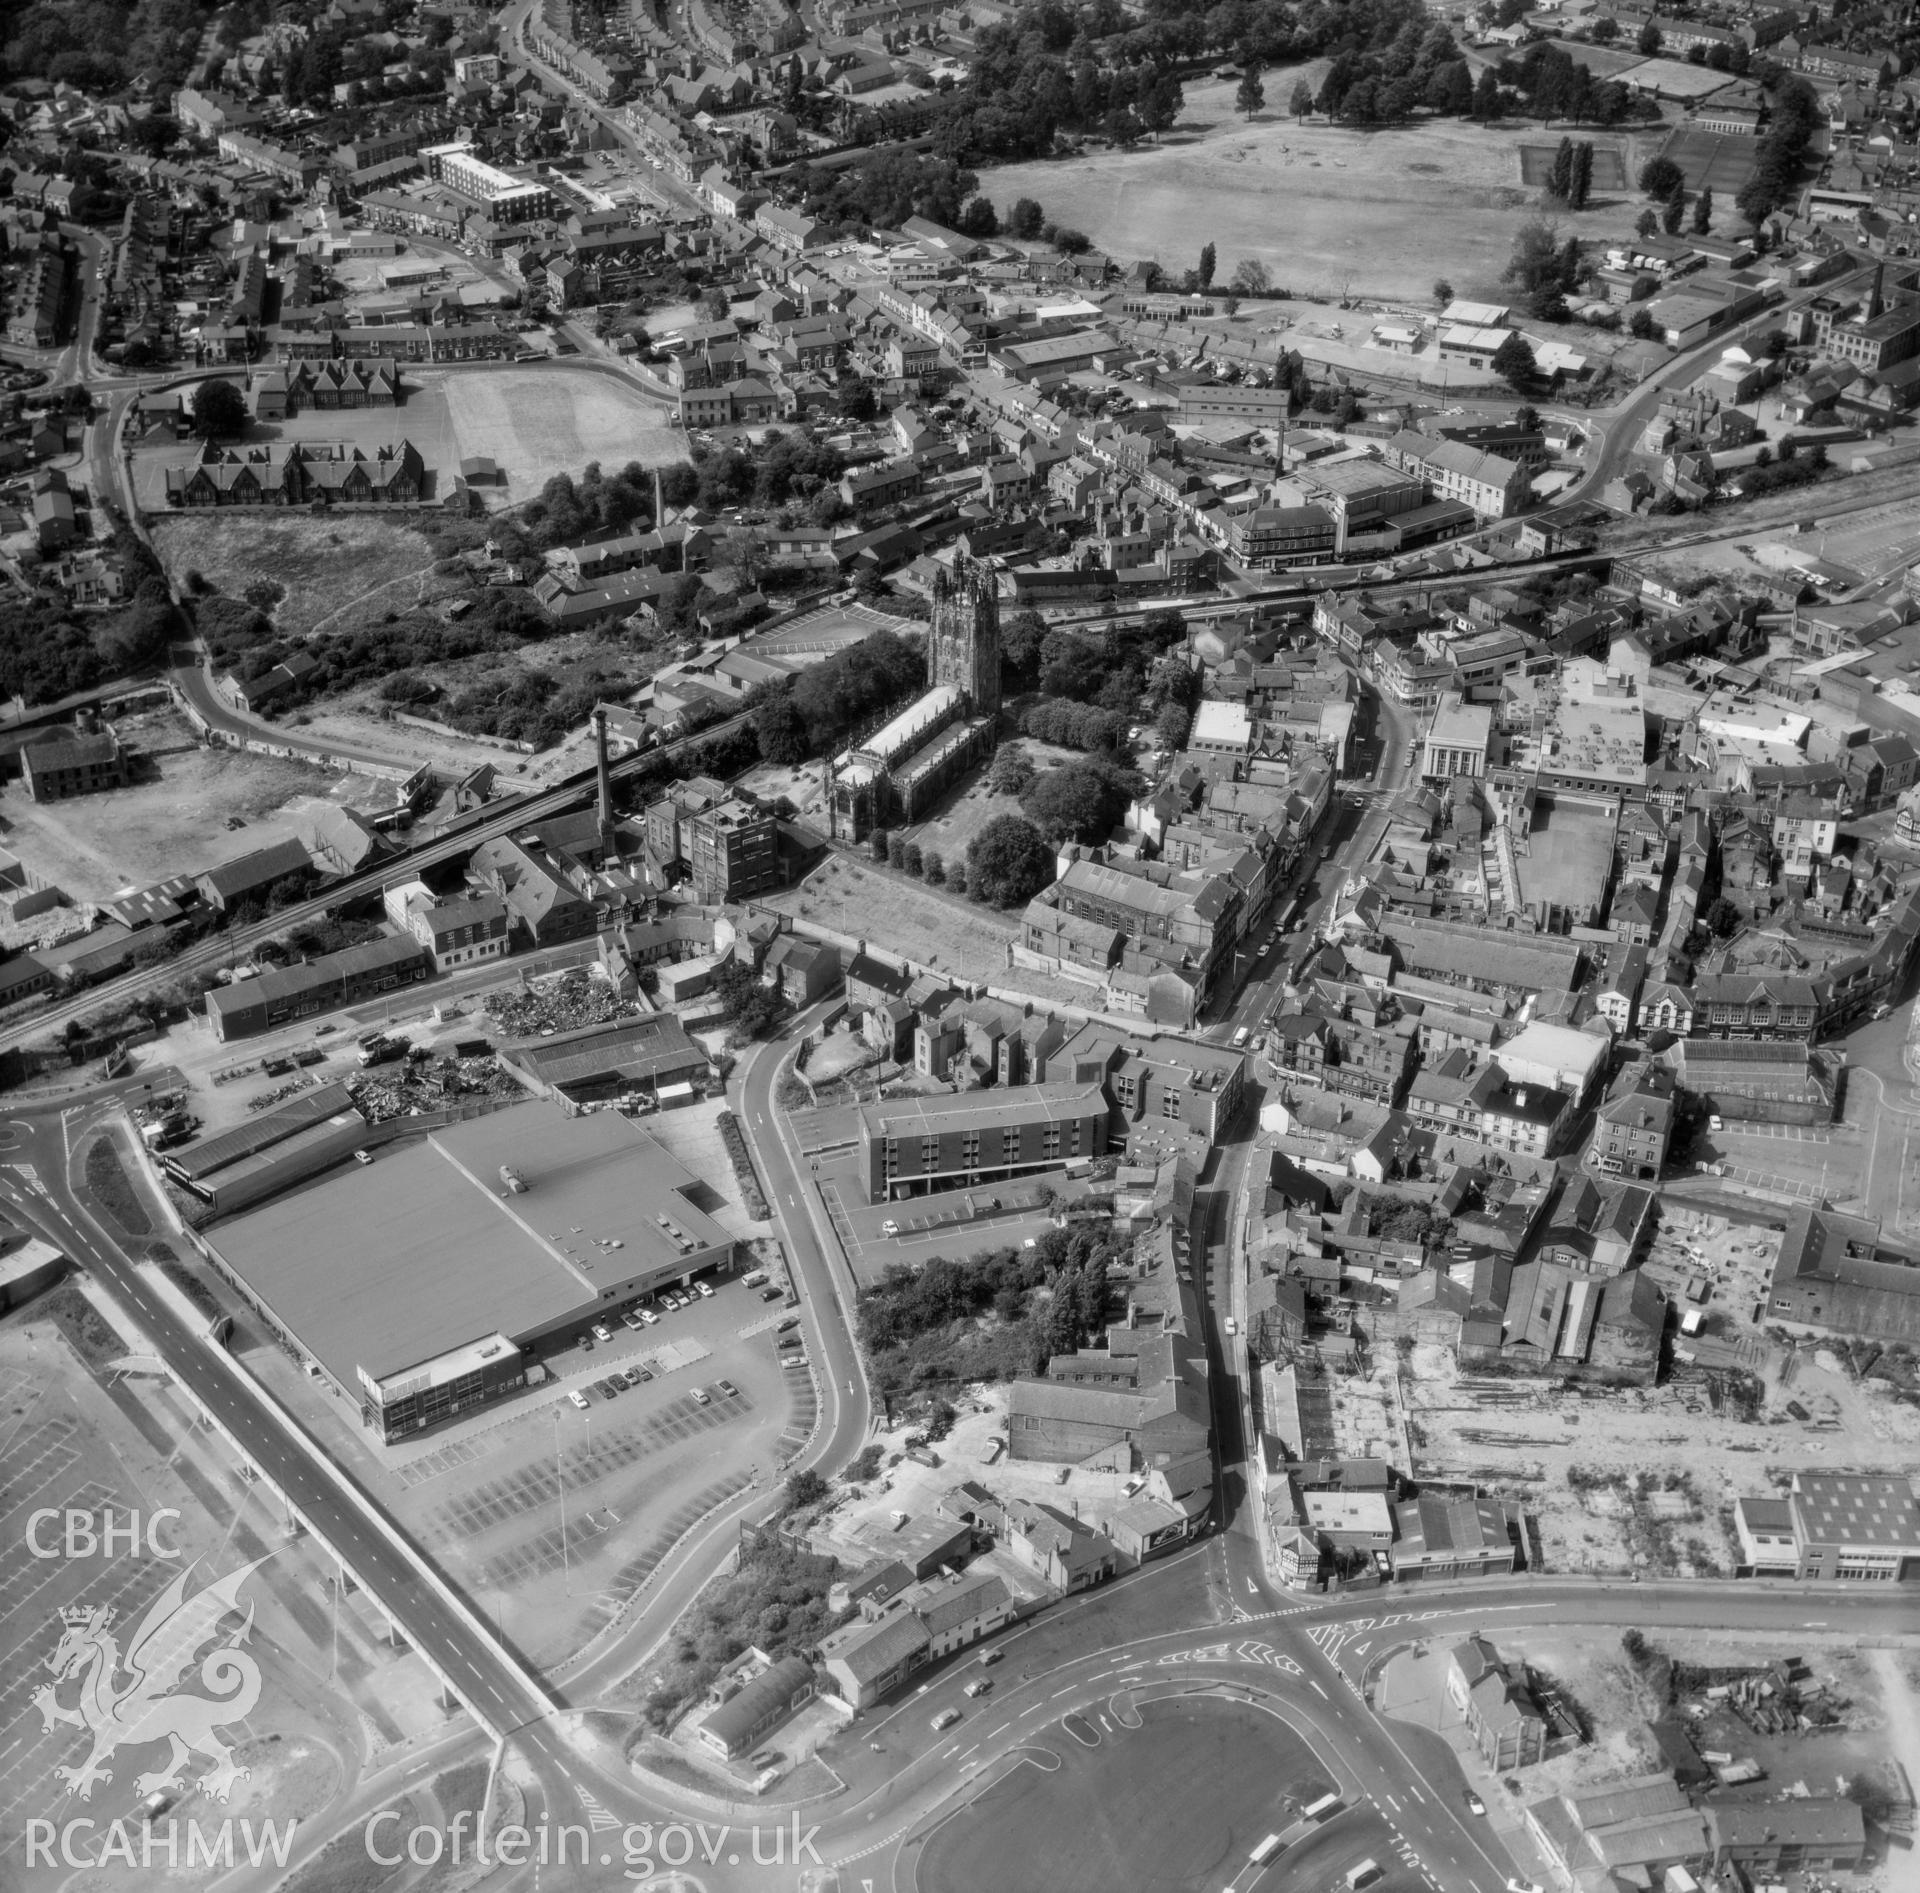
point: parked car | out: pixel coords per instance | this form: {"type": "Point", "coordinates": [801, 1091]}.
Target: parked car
{"type": "Point", "coordinates": [770, 1294]}
{"type": "Point", "coordinates": [889, 1227]}
{"type": "Point", "coordinates": [601, 1332]}
{"type": "Point", "coordinates": [728, 1388]}
{"type": "Point", "coordinates": [788, 1325]}
{"type": "Point", "coordinates": [1474, 1804]}
{"type": "Point", "coordinates": [363, 1156]}
{"type": "Point", "coordinates": [579, 1399]}
{"type": "Point", "coordinates": [704, 1290]}
{"type": "Point", "coordinates": [702, 1397]}
{"type": "Point", "coordinates": [632, 1320]}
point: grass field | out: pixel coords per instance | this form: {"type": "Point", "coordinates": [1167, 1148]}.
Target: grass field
{"type": "Point", "coordinates": [320, 561]}
{"type": "Point", "coordinates": [537, 423]}
{"type": "Point", "coordinates": [1320, 205]}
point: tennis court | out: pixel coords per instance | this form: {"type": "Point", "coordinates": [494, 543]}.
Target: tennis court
{"type": "Point", "coordinates": [1717, 161]}
{"type": "Point", "coordinates": [1609, 166]}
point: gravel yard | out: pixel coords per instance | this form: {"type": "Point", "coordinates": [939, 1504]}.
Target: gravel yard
{"type": "Point", "coordinates": [94, 846]}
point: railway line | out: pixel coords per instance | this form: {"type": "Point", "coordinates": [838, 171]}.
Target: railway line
{"type": "Point", "coordinates": [461, 839]}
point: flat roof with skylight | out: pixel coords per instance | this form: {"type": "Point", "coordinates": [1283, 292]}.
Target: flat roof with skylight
{"type": "Point", "coordinates": [522, 1224]}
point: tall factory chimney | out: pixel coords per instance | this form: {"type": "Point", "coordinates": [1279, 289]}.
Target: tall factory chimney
{"type": "Point", "coordinates": [609, 845]}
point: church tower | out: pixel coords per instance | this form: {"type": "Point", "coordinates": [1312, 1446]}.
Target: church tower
{"type": "Point", "coordinates": [964, 645]}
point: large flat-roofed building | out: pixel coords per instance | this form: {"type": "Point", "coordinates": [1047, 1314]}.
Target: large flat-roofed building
{"type": "Point", "coordinates": [423, 1284]}
{"type": "Point", "coordinates": [911, 1145]}
{"type": "Point", "coordinates": [505, 198]}
{"type": "Point", "coordinates": [1855, 1526]}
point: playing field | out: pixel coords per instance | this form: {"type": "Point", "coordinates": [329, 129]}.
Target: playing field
{"type": "Point", "coordinates": [1609, 166]}
{"type": "Point", "coordinates": [534, 423]}
{"type": "Point", "coordinates": [1711, 160]}
{"type": "Point", "coordinates": [1322, 206]}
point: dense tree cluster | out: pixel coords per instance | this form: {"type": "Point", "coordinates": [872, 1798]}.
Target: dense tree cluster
{"type": "Point", "coordinates": [567, 511]}
{"type": "Point", "coordinates": [886, 188]}
{"type": "Point", "coordinates": [829, 701]}
{"type": "Point", "coordinates": [46, 652]}
{"type": "Point", "coordinates": [1544, 270]}
{"type": "Point", "coordinates": [1111, 668]}
{"type": "Point", "coordinates": [753, 1010]}
{"type": "Point", "coordinates": [1056, 68]}
{"type": "Point", "coordinates": [1781, 152]}
{"type": "Point", "coordinates": [1076, 725]}
{"type": "Point", "coordinates": [100, 44]}
{"type": "Point", "coordinates": [1006, 1311]}
{"type": "Point", "coordinates": [1547, 82]}
{"type": "Point", "coordinates": [1081, 800]}
{"type": "Point", "coordinates": [1008, 861]}
{"type": "Point", "coordinates": [784, 467]}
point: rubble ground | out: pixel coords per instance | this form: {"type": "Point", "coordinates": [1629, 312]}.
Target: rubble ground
{"type": "Point", "coordinates": [1591, 1669]}
{"type": "Point", "coordinates": [1653, 1484]}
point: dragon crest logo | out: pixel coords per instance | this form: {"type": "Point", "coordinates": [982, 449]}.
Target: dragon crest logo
{"type": "Point", "coordinates": [126, 1701]}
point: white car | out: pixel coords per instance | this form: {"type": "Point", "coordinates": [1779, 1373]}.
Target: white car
{"type": "Point", "coordinates": [578, 1398]}
{"type": "Point", "coordinates": [1233, 1327]}
{"type": "Point", "coordinates": [601, 1332]}
{"type": "Point", "coordinates": [704, 1290]}
{"type": "Point", "coordinates": [1715, 1124]}
{"type": "Point", "coordinates": [649, 1317]}
{"type": "Point", "coordinates": [889, 1227]}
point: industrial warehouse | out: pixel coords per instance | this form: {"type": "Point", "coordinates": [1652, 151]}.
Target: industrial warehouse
{"type": "Point", "coordinates": [426, 1283]}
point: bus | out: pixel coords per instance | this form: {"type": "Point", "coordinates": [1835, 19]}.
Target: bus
{"type": "Point", "coordinates": [1265, 1851]}
{"type": "Point", "coordinates": [1324, 1809]}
